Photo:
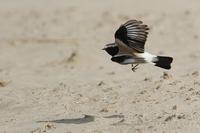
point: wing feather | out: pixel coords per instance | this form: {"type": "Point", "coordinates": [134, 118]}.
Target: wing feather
{"type": "Point", "coordinates": [134, 34]}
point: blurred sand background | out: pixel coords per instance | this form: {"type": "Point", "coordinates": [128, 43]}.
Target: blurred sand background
{"type": "Point", "coordinates": [53, 71]}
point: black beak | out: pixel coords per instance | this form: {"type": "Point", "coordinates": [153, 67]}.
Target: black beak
{"type": "Point", "coordinates": [103, 48]}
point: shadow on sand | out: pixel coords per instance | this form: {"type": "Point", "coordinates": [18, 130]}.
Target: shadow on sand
{"type": "Point", "coordinates": [85, 119]}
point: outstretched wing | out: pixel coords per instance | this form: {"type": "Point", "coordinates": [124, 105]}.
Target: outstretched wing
{"type": "Point", "coordinates": [133, 34]}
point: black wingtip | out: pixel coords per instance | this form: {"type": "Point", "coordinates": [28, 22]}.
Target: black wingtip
{"type": "Point", "coordinates": [121, 34]}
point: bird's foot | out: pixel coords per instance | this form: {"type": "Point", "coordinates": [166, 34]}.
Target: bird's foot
{"type": "Point", "coordinates": [134, 67]}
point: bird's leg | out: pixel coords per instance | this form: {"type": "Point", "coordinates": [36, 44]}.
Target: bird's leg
{"type": "Point", "coordinates": [134, 67]}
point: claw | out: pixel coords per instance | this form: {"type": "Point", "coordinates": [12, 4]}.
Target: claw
{"type": "Point", "coordinates": [134, 67]}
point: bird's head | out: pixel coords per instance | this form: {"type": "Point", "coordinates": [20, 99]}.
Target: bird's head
{"type": "Point", "coordinates": [112, 49]}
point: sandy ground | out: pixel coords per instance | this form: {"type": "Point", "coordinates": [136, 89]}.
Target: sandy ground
{"type": "Point", "coordinates": [55, 78]}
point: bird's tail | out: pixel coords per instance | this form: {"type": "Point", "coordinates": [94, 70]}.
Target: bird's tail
{"type": "Point", "coordinates": [163, 62]}
{"type": "Point", "coordinates": [159, 61]}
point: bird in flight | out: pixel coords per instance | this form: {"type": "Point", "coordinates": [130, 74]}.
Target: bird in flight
{"type": "Point", "coordinates": [128, 47]}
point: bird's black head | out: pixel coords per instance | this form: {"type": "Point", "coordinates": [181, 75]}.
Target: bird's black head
{"type": "Point", "coordinates": [112, 49]}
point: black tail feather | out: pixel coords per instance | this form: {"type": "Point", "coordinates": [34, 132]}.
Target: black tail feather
{"type": "Point", "coordinates": [163, 62]}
